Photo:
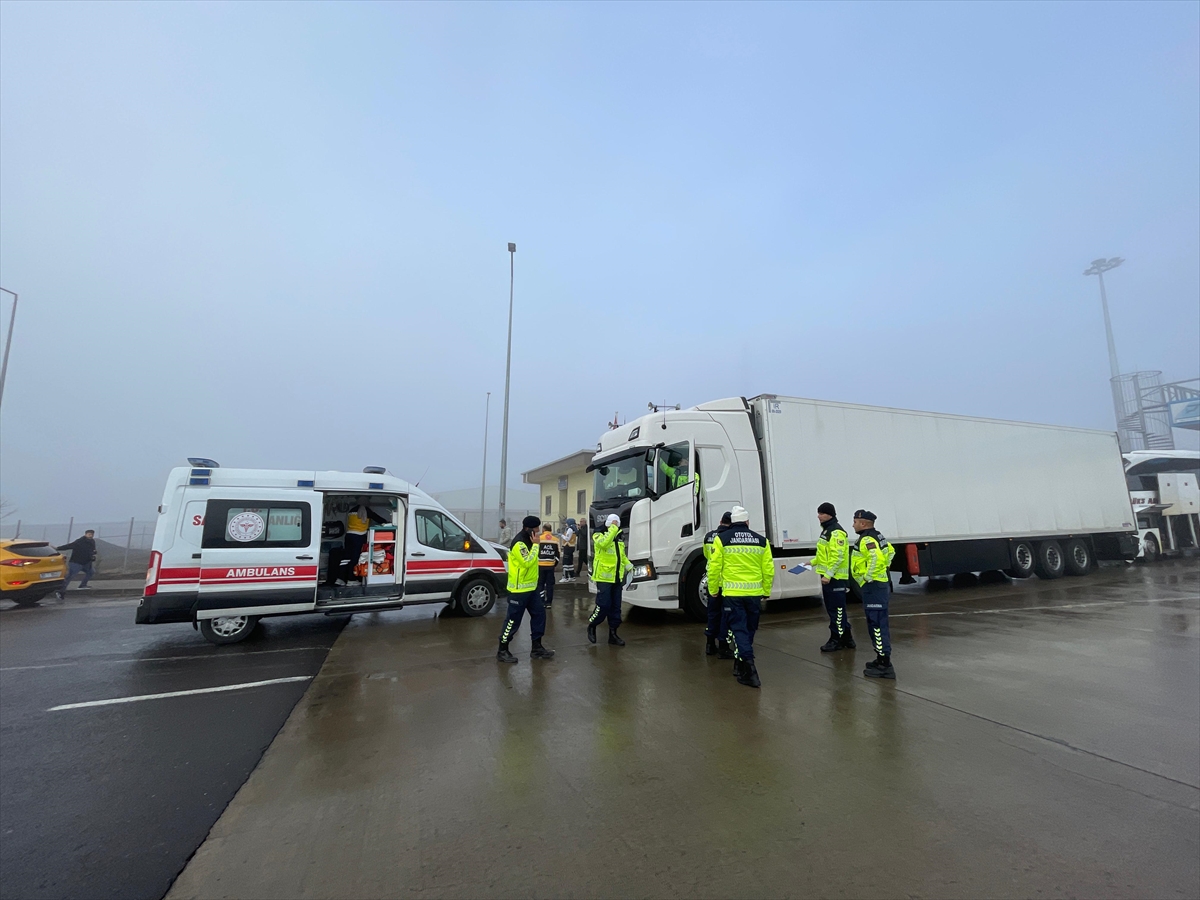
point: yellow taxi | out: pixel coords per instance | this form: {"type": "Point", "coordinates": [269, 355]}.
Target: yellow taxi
{"type": "Point", "coordinates": [29, 570]}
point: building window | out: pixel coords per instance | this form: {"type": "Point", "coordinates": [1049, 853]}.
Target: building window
{"type": "Point", "coordinates": [580, 502]}
{"type": "Point", "coordinates": [549, 499]}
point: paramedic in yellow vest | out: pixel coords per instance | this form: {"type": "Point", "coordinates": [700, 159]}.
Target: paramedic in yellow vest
{"type": "Point", "coordinates": [869, 566]}
{"type": "Point", "coordinates": [832, 563]}
{"type": "Point", "coordinates": [549, 552]}
{"type": "Point", "coordinates": [609, 565]}
{"type": "Point", "coordinates": [523, 593]}
{"type": "Point", "coordinates": [742, 568]}
{"type": "Point", "coordinates": [358, 522]}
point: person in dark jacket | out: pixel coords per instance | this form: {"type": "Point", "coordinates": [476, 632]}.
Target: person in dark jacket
{"type": "Point", "coordinates": [83, 555]}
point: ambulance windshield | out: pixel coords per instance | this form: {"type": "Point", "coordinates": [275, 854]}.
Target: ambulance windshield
{"type": "Point", "coordinates": [621, 479]}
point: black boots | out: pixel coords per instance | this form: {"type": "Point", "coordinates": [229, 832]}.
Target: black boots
{"type": "Point", "coordinates": [724, 651]}
{"type": "Point", "coordinates": [710, 646]}
{"type": "Point", "coordinates": [540, 652]}
{"type": "Point", "coordinates": [614, 639]}
{"type": "Point", "coordinates": [502, 655]}
{"type": "Point", "coordinates": [880, 667]}
{"type": "Point", "coordinates": [835, 643]}
{"type": "Point", "coordinates": [592, 632]}
{"type": "Point", "coordinates": [746, 673]}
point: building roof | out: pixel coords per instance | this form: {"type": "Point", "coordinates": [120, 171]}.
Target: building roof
{"type": "Point", "coordinates": [575, 462]}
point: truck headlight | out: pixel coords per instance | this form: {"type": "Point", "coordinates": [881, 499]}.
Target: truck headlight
{"type": "Point", "coordinates": [643, 571]}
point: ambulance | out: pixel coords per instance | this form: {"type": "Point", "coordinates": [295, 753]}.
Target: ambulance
{"type": "Point", "coordinates": [234, 545]}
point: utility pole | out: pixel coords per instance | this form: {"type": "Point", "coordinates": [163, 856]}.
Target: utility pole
{"type": "Point", "coordinates": [12, 320]}
{"type": "Point", "coordinates": [1098, 268]}
{"type": "Point", "coordinates": [483, 488]}
{"type": "Point", "coordinates": [512, 253]}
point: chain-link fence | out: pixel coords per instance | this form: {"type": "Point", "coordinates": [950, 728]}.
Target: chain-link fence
{"type": "Point", "coordinates": [122, 548]}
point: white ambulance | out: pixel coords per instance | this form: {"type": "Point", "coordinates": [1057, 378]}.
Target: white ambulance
{"type": "Point", "coordinates": [234, 545]}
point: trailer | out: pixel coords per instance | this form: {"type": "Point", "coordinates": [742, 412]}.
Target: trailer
{"type": "Point", "coordinates": [955, 494]}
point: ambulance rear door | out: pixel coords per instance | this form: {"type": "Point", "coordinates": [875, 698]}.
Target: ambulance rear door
{"type": "Point", "coordinates": [259, 553]}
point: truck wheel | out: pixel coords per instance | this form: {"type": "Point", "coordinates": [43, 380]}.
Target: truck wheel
{"type": "Point", "coordinates": [1078, 558]}
{"type": "Point", "coordinates": [1022, 560]}
{"type": "Point", "coordinates": [1048, 560]}
{"type": "Point", "coordinates": [227, 629]}
{"type": "Point", "coordinates": [476, 597]}
{"type": "Point", "coordinates": [1150, 549]}
{"type": "Point", "coordinates": [695, 606]}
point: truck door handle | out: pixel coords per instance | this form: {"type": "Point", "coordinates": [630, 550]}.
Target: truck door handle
{"type": "Point", "coordinates": [303, 557]}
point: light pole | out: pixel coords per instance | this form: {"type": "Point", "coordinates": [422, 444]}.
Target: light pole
{"type": "Point", "coordinates": [512, 253]}
{"type": "Point", "coordinates": [1098, 268]}
{"type": "Point", "coordinates": [12, 320]}
{"type": "Point", "coordinates": [483, 488]}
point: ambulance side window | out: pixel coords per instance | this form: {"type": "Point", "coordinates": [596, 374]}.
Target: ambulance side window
{"type": "Point", "coordinates": [456, 537]}
{"type": "Point", "coordinates": [439, 531]}
{"type": "Point", "coordinates": [248, 523]}
{"type": "Point", "coordinates": [429, 529]}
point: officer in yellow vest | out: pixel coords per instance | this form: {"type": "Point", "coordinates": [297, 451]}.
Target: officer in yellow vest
{"type": "Point", "coordinates": [609, 565]}
{"type": "Point", "coordinates": [869, 567]}
{"type": "Point", "coordinates": [742, 568]}
{"type": "Point", "coordinates": [832, 563]}
{"type": "Point", "coordinates": [523, 593]}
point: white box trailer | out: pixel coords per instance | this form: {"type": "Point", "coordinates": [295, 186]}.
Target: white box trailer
{"type": "Point", "coordinates": [955, 494]}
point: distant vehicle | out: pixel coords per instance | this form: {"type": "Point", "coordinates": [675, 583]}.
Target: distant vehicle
{"type": "Point", "coordinates": [954, 494]}
{"type": "Point", "coordinates": [234, 545]}
{"type": "Point", "coordinates": [1164, 491]}
{"type": "Point", "coordinates": [29, 570]}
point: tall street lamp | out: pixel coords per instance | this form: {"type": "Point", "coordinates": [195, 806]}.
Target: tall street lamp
{"type": "Point", "coordinates": [512, 253]}
{"type": "Point", "coordinates": [12, 320]}
{"type": "Point", "coordinates": [1098, 268]}
{"type": "Point", "coordinates": [483, 488]}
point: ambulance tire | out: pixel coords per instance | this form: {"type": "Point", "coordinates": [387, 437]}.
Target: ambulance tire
{"type": "Point", "coordinates": [228, 629]}
{"type": "Point", "coordinates": [476, 597]}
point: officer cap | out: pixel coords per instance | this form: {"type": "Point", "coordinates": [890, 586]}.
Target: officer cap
{"type": "Point", "coordinates": [865, 514]}
{"type": "Point", "coordinates": [530, 522]}
{"type": "Point", "coordinates": [826, 509]}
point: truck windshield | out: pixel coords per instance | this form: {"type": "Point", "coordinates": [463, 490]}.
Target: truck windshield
{"type": "Point", "coordinates": [621, 479]}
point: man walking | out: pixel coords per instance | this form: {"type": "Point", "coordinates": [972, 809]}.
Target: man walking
{"type": "Point", "coordinates": [548, 554]}
{"type": "Point", "coordinates": [505, 537]}
{"type": "Point", "coordinates": [742, 568]}
{"type": "Point", "coordinates": [523, 593]}
{"type": "Point", "coordinates": [869, 566]}
{"type": "Point", "coordinates": [570, 540]}
{"type": "Point", "coordinates": [716, 631]}
{"type": "Point", "coordinates": [832, 563]}
{"type": "Point", "coordinates": [609, 565]}
{"type": "Point", "coordinates": [83, 554]}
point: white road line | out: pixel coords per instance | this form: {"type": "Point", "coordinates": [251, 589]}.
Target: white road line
{"type": "Point", "coordinates": [125, 659]}
{"type": "Point", "coordinates": [211, 690]}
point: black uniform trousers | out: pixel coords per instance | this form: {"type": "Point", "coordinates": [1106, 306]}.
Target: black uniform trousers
{"type": "Point", "coordinates": [742, 614]}
{"type": "Point", "coordinates": [546, 584]}
{"type": "Point", "coordinates": [835, 594]}
{"type": "Point", "coordinates": [517, 604]}
{"type": "Point", "coordinates": [608, 604]}
{"type": "Point", "coordinates": [717, 626]}
{"type": "Point", "coordinates": [875, 597]}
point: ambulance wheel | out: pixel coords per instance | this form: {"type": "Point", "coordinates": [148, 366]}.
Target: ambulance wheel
{"type": "Point", "coordinates": [1078, 559]}
{"type": "Point", "coordinates": [476, 597]}
{"type": "Point", "coordinates": [227, 629]}
{"type": "Point", "coordinates": [695, 593]}
{"type": "Point", "coordinates": [1049, 561]}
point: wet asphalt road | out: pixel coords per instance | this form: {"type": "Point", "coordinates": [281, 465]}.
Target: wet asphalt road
{"type": "Point", "coordinates": [1043, 739]}
{"type": "Point", "coordinates": [111, 801]}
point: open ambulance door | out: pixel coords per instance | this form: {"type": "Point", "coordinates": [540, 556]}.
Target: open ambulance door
{"type": "Point", "coordinates": [375, 577]}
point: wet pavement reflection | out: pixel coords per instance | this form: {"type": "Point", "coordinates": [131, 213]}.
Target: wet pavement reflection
{"type": "Point", "coordinates": [1041, 738]}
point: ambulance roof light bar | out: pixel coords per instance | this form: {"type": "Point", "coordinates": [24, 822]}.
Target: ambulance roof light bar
{"type": "Point", "coordinates": [374, 470]}
{"type": "Point", "coordinates": [201, 462]}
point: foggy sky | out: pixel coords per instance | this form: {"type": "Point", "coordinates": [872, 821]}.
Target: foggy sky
{"type": "Point", "coordinates": [276, 234]}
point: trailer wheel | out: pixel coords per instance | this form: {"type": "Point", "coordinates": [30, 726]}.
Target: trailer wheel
{"type": "Point", "coordinates": [476, 597]}
{"type": "Point", "coordinates": [228, 629]}
{"type": "Point", "coordinates": [694, 592]}
{"type": "Point", "coordinates": [1022, 560]}
{"type": "Point", "coordinates": [1078, 559]}
{"type": "Point", "coordinates": [1150, 549]}
{"type": "Point", "coordinates": [1049, 561]}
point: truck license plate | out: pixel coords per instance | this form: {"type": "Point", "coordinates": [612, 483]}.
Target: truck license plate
{"type": "Point", "coordinates": [57, 574]}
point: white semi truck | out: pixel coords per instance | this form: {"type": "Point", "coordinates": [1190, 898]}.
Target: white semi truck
{"type": "Point", "coordinates": [954, 494]}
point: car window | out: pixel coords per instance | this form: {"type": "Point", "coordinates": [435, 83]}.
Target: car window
{"type": "Point", "coordinates": [429, 529]}
{"type": "Point", "coordinates": [31, 550]}
{"type": "Point", "coordinates": [242, 523]}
